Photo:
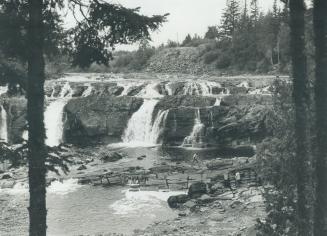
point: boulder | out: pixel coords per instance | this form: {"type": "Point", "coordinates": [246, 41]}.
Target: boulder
{"type": "Point", "coordinates": [176, 201]}
{"type": "Point", "coordinates": [82, 167]}
{"type": "Point", "coordinates": [197, 190]}
{"type": "Point", "coordinates": [219, 164]}
{"type": "Point", "coordinates": [110, 156]}
{"type": "Point", "coordinates": [190, 204]}
{"type": "Point", "coordinates": [6, 176]}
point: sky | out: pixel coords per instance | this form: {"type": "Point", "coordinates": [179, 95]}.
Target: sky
{"type": "Point", "coordinates": [186, 16]}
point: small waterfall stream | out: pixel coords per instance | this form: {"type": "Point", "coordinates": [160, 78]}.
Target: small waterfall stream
{"type": "Point", "coordinates": [195, 139]}
{"type": "Point", "coordinates": [3, 127]}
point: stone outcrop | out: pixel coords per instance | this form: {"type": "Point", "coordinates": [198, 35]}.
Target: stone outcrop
{"type": "Point", "coordinates": [197, 189]}
{"type": "Point", "coordinates": [176, 201]}
{"type": "Point", "coordinates": [16, 117]}
{"type": "Point", "coordinates": [94, 117]}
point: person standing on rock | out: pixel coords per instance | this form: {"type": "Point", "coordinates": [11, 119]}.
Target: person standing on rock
{"type": "Point", "coordinates": [238, 178]}
{"type": "Point", "coordinates": [226, 180]}
{"type": "Point", "coordinates": [195, 158]}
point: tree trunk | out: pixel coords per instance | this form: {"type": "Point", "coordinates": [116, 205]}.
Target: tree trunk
{"type": "Point", "coordinates": [301, 98]}
{"type": "Point", "coordinates": [320, 30]}
{"type": "Point", "coordinates": [35, 96]}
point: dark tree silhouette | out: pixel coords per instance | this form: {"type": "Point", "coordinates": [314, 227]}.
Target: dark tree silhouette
{"type": "Point", "coordinates": [320, 30]}
{"type": "Point", "coordinates": [35, 103]}
{"type": "Point", "coordinates": [301, 96]}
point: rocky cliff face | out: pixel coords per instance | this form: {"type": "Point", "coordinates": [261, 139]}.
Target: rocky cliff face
{"type": "Point", "coordinates": [94, 117]}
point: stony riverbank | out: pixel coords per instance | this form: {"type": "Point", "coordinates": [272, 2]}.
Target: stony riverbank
{"type": "Point", "coordinates": [222, 214]}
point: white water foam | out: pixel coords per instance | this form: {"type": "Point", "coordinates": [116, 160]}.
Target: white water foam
{"type": "Point", "coordinates": [3, 90]}
{"type": "Point", "coordinates": [57, 187]}
{"type": "Point", "coordinates": [3, 127]}
{"type": "Point", "coordinates": [63, 187]}
{"type": "Point", "coordinates": [134, 202]}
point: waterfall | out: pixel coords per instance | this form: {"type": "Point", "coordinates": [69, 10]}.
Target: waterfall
{"type": "Point", "coordinates": [168, 89]}
{"type": "Point", "coordinates": [3, 89]}
{"type": "Point", "coordinates": [141, 131]}
{"type": "Point", "coordinates": [87, 92]}
{"type": "Point", "coordinates": [150, 91]}
{"type": "Point", "coordinates": [211, 119]}
{"type": "Point", "coordinates": [218, 101]}
{"type": "Point", "coordinates": [158, 126]}
{"type": "Point", "coordinates": [3, 127]}
{"type": "Point", "coordinates": [195, 138]}
{"type": "Point", "coordinates": [66, 91]}
{"type": "Point", "coordinates": [53, 119]}
{"type": "Point", "coordinates": [204, 88]}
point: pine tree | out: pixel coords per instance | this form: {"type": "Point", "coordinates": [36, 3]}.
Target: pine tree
{"type": "Point", "coordinates": [255, 12]}
{"type": "Point", "coordinates": [320, 30]}
{"type": "Point", "coordinates": [230, 18]}
{"type": "Point", "coordinates": [301, 97]}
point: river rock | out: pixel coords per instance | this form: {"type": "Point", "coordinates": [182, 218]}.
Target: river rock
{"type": "Point", "coordinates": [6, 176]}
{"type": "Point", "coordinates": [190, 204]}
{"type": "Point", "coordinates": [110, 156]}
{"type": "Point", "coordinates": [219, 164]}
{"type": "Point", "coordinates": [176, 201]}
{"type": "Point", "coordinates": [197, 189]}
{"type": "Point", "coordinates": [82, 167]}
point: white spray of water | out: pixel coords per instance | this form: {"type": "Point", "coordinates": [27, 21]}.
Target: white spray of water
{"type": "Point", "coordinates": [57, 187]}
{"type": "Point", "coordinates": [3, 90]}
{"type": "Point", "coordinates": [244, 84]}
{"type": "Point", "coordinates": [218, 101]}
{"type": "Point", "coordinates": [134, 202]}
{"type": "Point", "coordinates": [3, 127]}
{"type": "Point", "coordinates": [204, 88]}
{"type": "Point", "coordinates": [261, 91]}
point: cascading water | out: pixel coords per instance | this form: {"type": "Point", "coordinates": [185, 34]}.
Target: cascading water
{"type": "Point", "coordinates": [141, 131]}
{"type": "Point", "coordinates": [88, 91]}
{"type": "Point", "coordinates": [158, 125]}
{"type": "Point", "coordinates": [53, 117]}
{"type": "Point", "coordinates": [3, 127]}
{"type": "Point", "coordinates": [195, 139]}
{"type": "Point", "coordinates": [150, 91]}
{"type": "Point", "coordinates": [204, 88]}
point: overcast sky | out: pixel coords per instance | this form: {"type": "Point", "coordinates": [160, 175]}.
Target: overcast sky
{"type": "Point", "coordinates": [186, 16]}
